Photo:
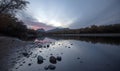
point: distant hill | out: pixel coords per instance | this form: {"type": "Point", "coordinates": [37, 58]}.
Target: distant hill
{"type": "Point", "coordinates": [58, 29]}
{"type": "Point", "coordinates": [40, 30]}
{"type": "Point", "coordinates": [113, 28]}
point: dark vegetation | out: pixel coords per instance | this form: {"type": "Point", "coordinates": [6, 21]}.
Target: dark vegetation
{"type": "Point", "coordinates": [9, 24]}
{"type": "Point", "coordinates": [114, 28]}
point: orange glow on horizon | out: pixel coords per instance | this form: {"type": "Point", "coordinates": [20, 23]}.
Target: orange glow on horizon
{"type": "Point", "coordinates": [34, 27]}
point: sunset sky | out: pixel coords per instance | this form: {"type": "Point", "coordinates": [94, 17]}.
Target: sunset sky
{"type": "Point", "coordinates": [49, 14]}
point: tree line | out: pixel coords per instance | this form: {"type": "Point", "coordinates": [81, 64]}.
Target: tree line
{"type": "Point", "coordinates": [9, 24]}
{"type": "Point", "coordinates": [113, 28]}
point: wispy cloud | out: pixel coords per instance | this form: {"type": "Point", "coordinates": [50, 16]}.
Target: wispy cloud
{"type": "Point", "coordinates": [29, 19]}
{"type": "Point", "coordinates": [70, 13]}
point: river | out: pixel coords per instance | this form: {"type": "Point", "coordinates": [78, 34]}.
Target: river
{"type": "Point", "coordinates": [77, 54]}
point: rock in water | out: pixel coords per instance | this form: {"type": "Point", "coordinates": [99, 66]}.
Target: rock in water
{"type": "Point", "coordinates": [40, 59]}
{"type": "Point", "coordinates": [29, 64]}
{"type": "Point", "coordinates": [51, 67]}
{"type": "Point", "coordinates": [25, 54]}
{"type": "Point", "coordinates": [59, 58]}
{"type": "Point", "coordinates": [81, 61]}
{"type": "Point", "coordinates": [78, 57]}
{"type": "Point", "coordinates": [46, 68]}
{"type": "Point", "coordinates": [48, 45]}
{"type": "Point", "coordinates": [40, 46]}
{"type": "Point", "coordinates": [53, 60]}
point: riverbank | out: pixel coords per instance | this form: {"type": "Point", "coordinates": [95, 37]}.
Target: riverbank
{"type": "Point", "coordinates": [88, 35]}
{"type": "Point", "coordinates": [9, 48]}
{"type": "Point", "coordinates": [6, 42]}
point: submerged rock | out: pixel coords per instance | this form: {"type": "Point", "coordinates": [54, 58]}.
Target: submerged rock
{"type": "Point", "coordinates": [51, 54]}
{"type": "Point", "coordinates": [40, 59]}
{"type": "Point", "coordinates": [62, 53]}
{"type": "Point", "coordinates": [16, 67]}
{"type": "Point", "coordinates": [51, 67]}
{"type": "Point", "coordinates": [23, 61]}
{"type": "Point", "coordinates": [25, 54]}
{"type": "Point", "coordinates": [21, 64]}
{"type": "Point", "coordinates": [81, 61]}
{"type": "Point", "coordinates": [48, 45]}
{"type": "Point", "coordinates": [29, 64]}
{"type": "Point", "coordinates": [44, 46]}
{"type": "Point", "coordinates": [53, 60]}
{"type": "Point", "coordinates": [40, 46]}
{"type": "Point", "coordinates": [46, 68]}
{"type": "Point", "coordinates": [59, 58]}
{"type": "Point", "coordinates": [40, 51]}
{"type": "Point", "coordinates": [78, 57]}
{"type": "Point", "coordinates": [68, 47]}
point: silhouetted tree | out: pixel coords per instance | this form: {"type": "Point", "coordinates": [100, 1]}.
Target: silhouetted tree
{"type": "Point", "coordinates": [12, 6]}
{"type": "Point", "coordinates": [9, 24]}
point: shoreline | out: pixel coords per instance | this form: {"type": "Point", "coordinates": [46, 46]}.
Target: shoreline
{"type": "Point", "coordinates": [8, 49]}
{"type": "Point", "coordinates": [89, 35]}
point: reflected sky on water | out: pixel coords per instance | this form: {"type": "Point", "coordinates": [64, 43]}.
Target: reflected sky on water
{"type": "Point", "coordinates": [77, 55]}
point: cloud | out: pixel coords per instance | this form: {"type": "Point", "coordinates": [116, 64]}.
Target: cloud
{"type": "Point", "coordinates": [38, 25]}
{"type": "Point", "coordinates": [70, 13]}
{"type": "Point", "coordinates": [29, 20]}
{"type": "Point", "coordinates": [107, 15]}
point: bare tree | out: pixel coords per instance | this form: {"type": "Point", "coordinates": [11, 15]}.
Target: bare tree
{"type": "Point", "coordinates": [12, 6]}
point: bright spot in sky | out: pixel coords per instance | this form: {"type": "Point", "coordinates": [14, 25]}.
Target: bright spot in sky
{"type": "Point", "coordinates": [54, 23]}
{"type": "Point", "coordinates": [51, 22]}
{"type": "Point", "coordinates": [74, 13]}
{"type": "Point", "coordinates": [51, 13]}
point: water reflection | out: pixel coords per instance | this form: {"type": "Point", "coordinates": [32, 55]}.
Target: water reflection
{"type": "Point", "coordinates": [104, 40]}
{"type": "Point", "coordinates": [68, 54]}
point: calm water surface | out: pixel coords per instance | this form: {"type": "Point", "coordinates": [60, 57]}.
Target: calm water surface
{"type": "Point", "coordinates": [77, 55]}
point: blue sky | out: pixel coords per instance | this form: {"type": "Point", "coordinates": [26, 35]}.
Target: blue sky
{"type": "Point", "coordinates": [71, 13]}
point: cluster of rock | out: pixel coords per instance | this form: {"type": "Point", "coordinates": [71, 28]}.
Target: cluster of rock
{"type": "Point", "coordinates": [50, 67]}
{"type": "Point", "coordinates": [52, 60]}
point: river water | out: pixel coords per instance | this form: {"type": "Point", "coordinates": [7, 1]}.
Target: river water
{"type": "Point", "coordinates": [77, 54]}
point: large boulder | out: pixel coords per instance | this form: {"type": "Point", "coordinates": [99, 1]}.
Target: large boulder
{"type": "Point", "coordinates": [53, 60]}
{"type": "Point", "coordinates": [40, 59]}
